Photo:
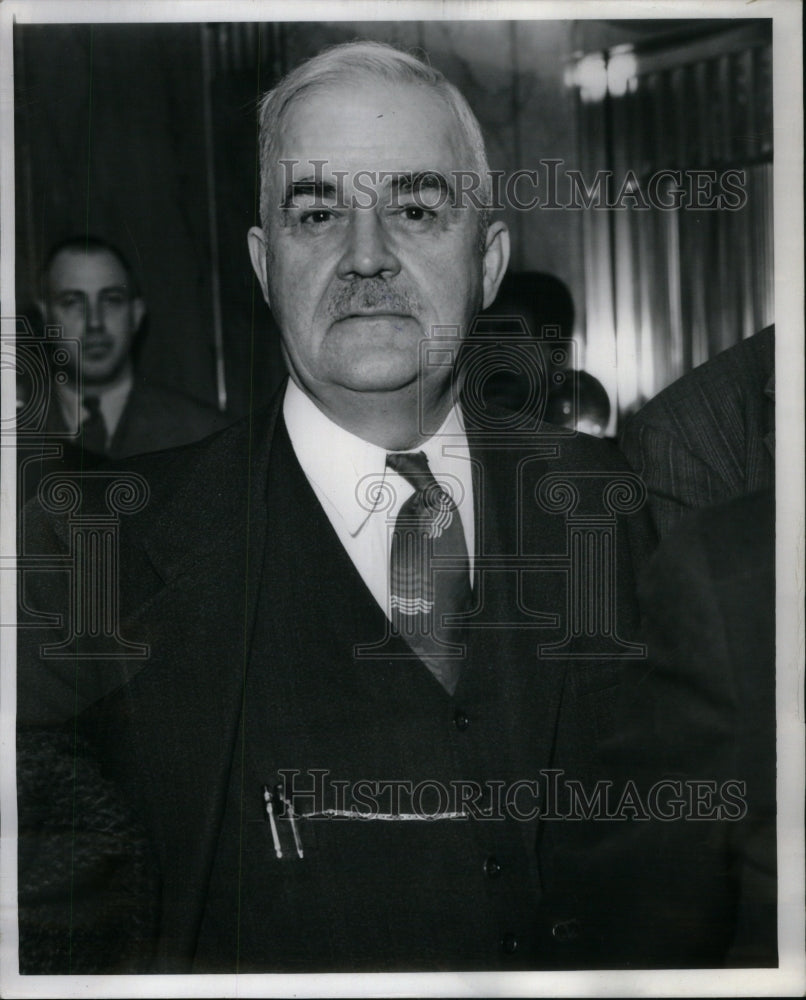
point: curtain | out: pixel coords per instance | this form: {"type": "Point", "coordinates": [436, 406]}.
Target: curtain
{"type": "Point", "coordinates": [678, 236]}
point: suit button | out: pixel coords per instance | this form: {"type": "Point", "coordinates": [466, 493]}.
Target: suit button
{"type": "Point", "coordinates": [492, 869]}
{"type": "Point", "coordinates": [461, 721]}
{"type": "Point", "coordinates": [509, 944]}
{"type": "Point", "coordinates": [565, 930]}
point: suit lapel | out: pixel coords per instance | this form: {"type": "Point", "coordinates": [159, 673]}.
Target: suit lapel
{"type": "Point", "coordinates": [507, 644]}
{"type": "Point", "coordinates": [340, 603]}
{"type": "Point", "coordinates": [171, 725]}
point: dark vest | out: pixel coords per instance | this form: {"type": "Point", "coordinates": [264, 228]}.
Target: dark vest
{"type": "Point", "coordinates": [377, 734]}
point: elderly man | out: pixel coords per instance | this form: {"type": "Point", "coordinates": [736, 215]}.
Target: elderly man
{"type": "Point", "coordinates": [364, 666]}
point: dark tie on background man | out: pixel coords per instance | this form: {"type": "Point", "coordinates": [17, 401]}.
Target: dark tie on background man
{"type": "Point", "coordinates": [93, 429]}
{"type": "Point", "coordinates": [424, 587]}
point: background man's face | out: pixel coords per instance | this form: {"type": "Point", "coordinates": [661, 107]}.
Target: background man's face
{"type": "Point", "coordinates": [355, 290]}
{"type": "Point", "coordinates": [88, 295]}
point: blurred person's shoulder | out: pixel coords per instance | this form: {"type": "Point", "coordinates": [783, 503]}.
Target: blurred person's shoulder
{"type": "Point", "coordinates": [746, 367]}
{"type": "Point", "coordinates": [196, 479]}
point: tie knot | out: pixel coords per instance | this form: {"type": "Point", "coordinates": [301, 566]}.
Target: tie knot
{"type": "Point", "coordinates": [413, 467]}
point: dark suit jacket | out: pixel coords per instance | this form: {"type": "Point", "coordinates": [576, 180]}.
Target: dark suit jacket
{"type": "Point", "coordinates": [708, 605]}
{"type": "Point", "coordinates": [164, 729]}
{"type": "Point", "coordinates": [155, 417]}
{"type": "Point", "coordinates": [708, 436]}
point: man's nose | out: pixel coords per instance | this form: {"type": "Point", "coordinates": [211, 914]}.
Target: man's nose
{"type": "Point", "coordinates": [368, 252]}
{"type": "Point", "coordinates": [95, 313]}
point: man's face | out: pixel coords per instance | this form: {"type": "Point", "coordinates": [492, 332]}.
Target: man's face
{"type": "Point", "coordinates": [358, 268]}
{"type": "Point", "coordinates": [88, 296]}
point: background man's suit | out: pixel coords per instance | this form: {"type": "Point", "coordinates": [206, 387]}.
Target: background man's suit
{"type": "Point", "coordinates": [708, 605]}
{"type": "Point", "coordinates": [710, 435]}
{"type": "Point", "coordinates": [158, 417]}
{"type": "Point", "coordinates": [155, 417]}
{"type": "Point", "coordinates": [252, 610]}
{"type": "Point", "coordinates": [705, 448]}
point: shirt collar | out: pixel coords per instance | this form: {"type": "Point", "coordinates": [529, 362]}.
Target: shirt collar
{"type": "Point", "coordinates": [111, 401]}
{"type": "Point", "coordinates": [344, 467]}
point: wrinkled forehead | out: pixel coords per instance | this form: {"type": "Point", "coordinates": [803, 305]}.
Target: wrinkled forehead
{"type": "Point", "coordinates": [364, 131]}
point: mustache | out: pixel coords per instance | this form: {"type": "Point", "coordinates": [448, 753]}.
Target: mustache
{"type": "Point", "coordinates": [364, 294]}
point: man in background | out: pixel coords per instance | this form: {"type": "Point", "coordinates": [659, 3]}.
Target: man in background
{"type": "Point", "coordinates": [708, 437]}
{"type": "Point", "coordinates": [705, 448]}
{"type": "Point", "coordinates": [708, 607]}
{"type": "Point", "coordinates": [106, 406]}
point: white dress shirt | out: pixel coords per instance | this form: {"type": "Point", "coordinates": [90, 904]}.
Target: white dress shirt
{"type": "Point", "coordinates": [361, 496]}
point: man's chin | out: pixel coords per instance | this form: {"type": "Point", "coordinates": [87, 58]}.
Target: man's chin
{"type": "Point", "coordinates": [377, 364]}
{"type": "Point", "coordinates": [380, 378]}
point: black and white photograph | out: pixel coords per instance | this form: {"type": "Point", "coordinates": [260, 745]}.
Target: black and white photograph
{"type": "Point", "coordinates": [402, 541]}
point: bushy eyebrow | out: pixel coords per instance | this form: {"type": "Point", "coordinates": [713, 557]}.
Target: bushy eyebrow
{"type": "Point", "coordinates": [313, 187]}
{"type": "Point", "coordinates": [396, 183]}
{"type": "Point", "coordinates": [423, 180]}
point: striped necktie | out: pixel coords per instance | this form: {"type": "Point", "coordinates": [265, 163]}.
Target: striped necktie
{"type": "Point", "coordinates": [429, 574]}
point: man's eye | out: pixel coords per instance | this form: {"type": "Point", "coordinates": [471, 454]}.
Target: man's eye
{"type": "Point", "coordinates": [114, 299]}
{"type": "Point", "coordinates": [70, 301]}
{"type": "Point", "coordinates": [316, 217]}
{"type": "Point", "coordinates": [416, 213]}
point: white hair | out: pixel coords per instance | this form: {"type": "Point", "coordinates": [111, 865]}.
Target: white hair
{"type": "Point", "coordinates": [354, 61]}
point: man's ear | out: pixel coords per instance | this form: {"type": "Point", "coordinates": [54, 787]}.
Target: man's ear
{"type": "Point", "coordinates": [257, 253]}
{"type": "Point", "coordinates": [138, 312]}
{"type": "Point", "coordinates": [496, 258]}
